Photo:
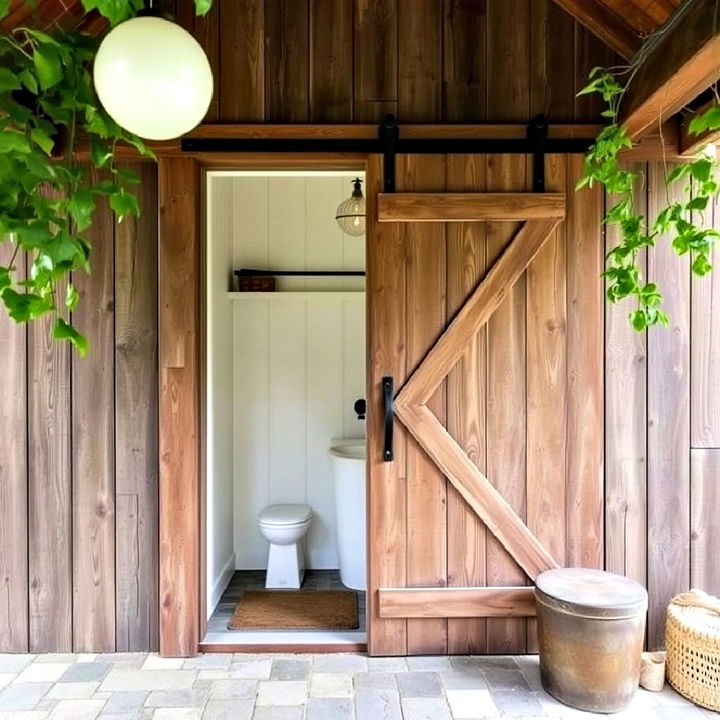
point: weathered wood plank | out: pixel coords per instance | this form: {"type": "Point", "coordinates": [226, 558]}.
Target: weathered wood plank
{"type": "Point", "coordinates": [468, 207]}
{"type": "Point", "coordinates": [705, 349]}
{"type": "Point", "coordinates": [13, 474]}
{"type": "Point", "coordinates": [626, 432]}
{"type": "Point", "coordinates": [705, 532]}
{"type": "Point", "coordinates": [387, 502]}
{"type": "Point", "coordinates": [179, 412]}
{"type": "Point", "coordinates": [668, 425]}
{"type": "Point", "coordinates": [466, 404]}
{"type": "Point", "coordinates": [375, 59]}
{"type": "Point", "coordinates": [457, 603]}
{"type": "Point", "coordinates": [93, 448]}
{"type": "Point", "coordinates": [426, 486]}
{"type": "Point", "coordinates": [136, 449]}
{"type": "Point", "coordinates": [331, 60]}
{"type": "Point", "coordinates": [287, 48]}
{"type": "Point", "coordinates": [241, 81]}
{"type": "Point", "coordinates": [585, 367]}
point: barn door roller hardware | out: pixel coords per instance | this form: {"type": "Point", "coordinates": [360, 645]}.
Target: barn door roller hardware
{"type": "Point", "coordinates": [390, 142]}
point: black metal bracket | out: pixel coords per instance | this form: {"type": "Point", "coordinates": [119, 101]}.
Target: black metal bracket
{"type": "Point", "coordinates": [537, 133]}
{"type": "Point", "coordinates": [387, 386]}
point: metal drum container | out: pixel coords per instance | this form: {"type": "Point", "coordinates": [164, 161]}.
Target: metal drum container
{"type": "Point", "coordinates": [591, 626]}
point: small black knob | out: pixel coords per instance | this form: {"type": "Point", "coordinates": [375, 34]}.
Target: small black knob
{"type": "Point", "coordinates": [360, 408]}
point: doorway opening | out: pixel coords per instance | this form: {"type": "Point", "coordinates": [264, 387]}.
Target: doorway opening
{"type": "Point", "coordinates": [284, 415]}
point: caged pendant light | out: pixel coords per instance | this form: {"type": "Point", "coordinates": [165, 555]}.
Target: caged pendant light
{"type": "Point", "coordinates": [350, 214]}
{"type": "Point", "coordinates": [152, 77]}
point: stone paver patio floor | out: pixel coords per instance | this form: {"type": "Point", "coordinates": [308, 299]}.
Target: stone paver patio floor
{"type": "Point", "coordinates": [294, 687]}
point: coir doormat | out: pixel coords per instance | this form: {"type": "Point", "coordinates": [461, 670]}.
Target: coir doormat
{"type": "Point", "coordinates": [296, 610]}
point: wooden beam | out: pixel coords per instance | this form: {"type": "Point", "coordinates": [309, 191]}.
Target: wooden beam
{"type": "Point", "coordinates": [605, 24]}
{"type": "Point", "coordinates": [469, 207]}
{"type": "Point", "coordinates": [456, 602]}
{"type": "Point", "coordinates": [680, 64]}
{"type": "Point", "coordinates": [689, 143]}
{"type": "Point", "coordinates": [179, 439]}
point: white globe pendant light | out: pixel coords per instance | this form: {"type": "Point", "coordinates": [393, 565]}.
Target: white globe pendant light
{"type": "Point", "coordinates": [153, 78]}
{"type": "Point", "coordinates": [350, 214]}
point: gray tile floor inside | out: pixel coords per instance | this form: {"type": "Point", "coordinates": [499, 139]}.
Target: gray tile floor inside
{"type": "Point", "coordinates": [294, 687]}
{"type": "Point", "coordinates": [244, 580]}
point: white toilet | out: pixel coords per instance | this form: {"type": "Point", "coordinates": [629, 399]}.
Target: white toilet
{"type": "Point", "coordinates": [284, 527]}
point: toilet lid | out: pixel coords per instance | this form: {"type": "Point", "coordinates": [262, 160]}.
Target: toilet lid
{"type": "Point", "coordinates": [285, 514]}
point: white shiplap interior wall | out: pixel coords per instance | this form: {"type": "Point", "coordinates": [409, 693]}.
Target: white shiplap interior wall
{"type": "Point", "coordinates": [298, 360]}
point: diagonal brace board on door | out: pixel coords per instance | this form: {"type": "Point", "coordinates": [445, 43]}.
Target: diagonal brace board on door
{"type": "Point", "coordinates": [542, 213]}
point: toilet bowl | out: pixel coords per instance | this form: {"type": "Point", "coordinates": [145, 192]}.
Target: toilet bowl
{"type": "Point", "coordinates": [284, 527]}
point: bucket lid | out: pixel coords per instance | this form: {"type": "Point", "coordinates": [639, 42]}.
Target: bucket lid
{"type": "Point", "coordinates": [593, 593]}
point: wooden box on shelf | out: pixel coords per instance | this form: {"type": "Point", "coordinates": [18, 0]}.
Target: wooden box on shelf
{"type": "Point", "coordinates": [254, 283]}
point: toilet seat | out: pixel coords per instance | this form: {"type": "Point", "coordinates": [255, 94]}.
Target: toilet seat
{"type": "Point", "coordinates": [285, 515]}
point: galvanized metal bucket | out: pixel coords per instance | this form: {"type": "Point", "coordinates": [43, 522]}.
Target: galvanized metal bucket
{"type": "Point", "coordinates": [591, 626]}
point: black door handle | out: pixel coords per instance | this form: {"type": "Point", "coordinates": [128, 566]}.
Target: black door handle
{"type": "Point", "coordinates": [387, 385]}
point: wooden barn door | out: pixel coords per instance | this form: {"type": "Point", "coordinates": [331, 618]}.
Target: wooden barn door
{"type": "Point", "coordinates": [467, 513]}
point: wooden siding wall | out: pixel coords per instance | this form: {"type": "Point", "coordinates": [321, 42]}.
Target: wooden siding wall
{"type": "Point", "coordinates": [79, 459]}
{"type": "Point", "coordinates": [78, 443]}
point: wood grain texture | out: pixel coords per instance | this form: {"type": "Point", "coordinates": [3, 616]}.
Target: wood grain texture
{"type": "Point", "coordinates": [668, 427]}
{"type": "Point", "coordinates": [626, 432]}
{"type": "Point", "coordinates": [13, 475]}
{"type": "Point", "coordinates": [287, 40]}
{"type": "Point", "coordinates": [678, 66]}
{"type": "Point", "coordinates": [457, 603]}
{"type": "Point", "coordinates": [331, 60]}
{"type": "Point", "coordinates": [425, 320]}
{"type": "Point", "coordinates": [705, 533]}
{"type": "Point", "coordinates": [93, 449]}
{"type": "Point", "coordinates": [705, 349]}
{"type": "Point", "coordinates": [136, 449]}
{"type": "Point", "coordinates": [585, 368]}
{"type": "Point", "coordinates": [468, 207]}
{"type": "Point", "coordinates": [386, 352]}
{"type": "Point", "coordinates": [49, 491]}
{"type": "Point", "coordinates": [179, 411]}
{"type": "Point", "coordinates": [466, 403]}
{"type": "Point", "coordinates": [242, 68]}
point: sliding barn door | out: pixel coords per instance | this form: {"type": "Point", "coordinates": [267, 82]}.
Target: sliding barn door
{"type": "Point", "coordinates": [472, 311]}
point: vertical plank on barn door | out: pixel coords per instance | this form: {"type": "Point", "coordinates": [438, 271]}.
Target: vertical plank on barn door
{"type": "Point", "coordinates": [286, 57]}
{"type": "Point", "coordinates": [668, 425]}
{"type": "Point", "coordinates": [426, 485]}
{"type": "Point", "coordinates": [13, 475]}
{"type": "Point", "coordinates": [375, 59]}
{"type": "Point", "coordinates": [547, 386]}
{"type": "Point", "coordinates": [585, 449]}
{"type": "Point", "coordinates": [49, 490]}
{"type": "Point", "coordinates": [386, 351]}
{"type": "Point", "coordinates": [331, 60]}
{"type": "Point", "coordinates": [508, 100]}
{"type": "Point", "coordinates": [136, 453]}
{"type": "Point", "coordinates": [626, 429]}
{"type": "Point", "coordinates": [241, 79]}
{"type": "Point", "coordinates": [179, 410]}
{"type": "Point", "coordinates": [466, 401]}
{"type": "Point", "coordinates": [93, 447]}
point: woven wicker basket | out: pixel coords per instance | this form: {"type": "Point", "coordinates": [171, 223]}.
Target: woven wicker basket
{"type": "Point", "coordinates": [692, 637]}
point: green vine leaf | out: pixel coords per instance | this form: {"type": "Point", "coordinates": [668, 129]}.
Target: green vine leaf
{"type": "Point", "coordinates": [708, 121]}
{"type": "Point", "coordinates": [8, 81]}
{"type": "Point", "coordinates": [202, 7]}
{"type": "Point", "coordinates": [48, 66]}
{"type": "Point", "coordinates": [64, 331]}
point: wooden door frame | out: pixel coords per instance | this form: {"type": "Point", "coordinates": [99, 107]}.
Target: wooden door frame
{"type": "Point", "coordinates": [181, 359]}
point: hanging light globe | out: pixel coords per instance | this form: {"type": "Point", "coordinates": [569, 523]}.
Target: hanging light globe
{"type": "Point", "coordinates": [350, 214]}
{"type": "Point", "coordinates": [153, 78]}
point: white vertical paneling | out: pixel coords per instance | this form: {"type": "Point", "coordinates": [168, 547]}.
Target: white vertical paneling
{"type": "Point", "coordinates": [286, 228]}
{"type": "Point", "coordinates": [353, 340]}
{"type": "Point", "coordinates": [323, 413]}
{"type": "Point", "coordinates": [353, 247]}
{"type": "Point", "coordinates": [250, 209]}
{"type": "Point", "coordinates": [252, 429]}
{"type": "Point", "coordinates": [324, 239]}
{"type": "Point", "coordinates": [288, 397]}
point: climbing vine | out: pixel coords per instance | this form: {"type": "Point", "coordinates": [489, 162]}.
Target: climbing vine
{"type": "Point", "coordinates": [682, 220]}
{"type": "Point", "coordinates": [47, 198]}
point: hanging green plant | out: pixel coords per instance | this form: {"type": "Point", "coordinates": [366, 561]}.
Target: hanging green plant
{"type": "Point", "coordinates": [47, 199]}
{"type": "Point", "coordinates": [683, 220]}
